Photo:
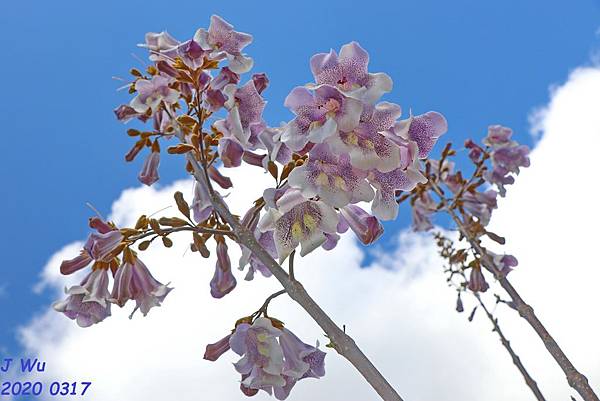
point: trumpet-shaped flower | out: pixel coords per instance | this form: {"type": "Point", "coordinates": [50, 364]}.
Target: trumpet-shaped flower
{"type": "Point", "coordinates": [332, 178]}
{"type": "Point", "coordinates": [298, 221]}
{"type": "Point", "coordinates": [349, 73]}
{"type": "Point", "coordinates": [87, 303]}
{"type": "Point", "coordinates": [225, 43]}
{"type": "Point", "coordinates": [370, 145]}
{"type": "Point", "coordinates": [262, 356]}
{"type": "Point", "coordinates": [133, 281]}
{"type": "Point", "coordinates": [151, 93]}
{"type": "Point", "coordinates": [319, 115]}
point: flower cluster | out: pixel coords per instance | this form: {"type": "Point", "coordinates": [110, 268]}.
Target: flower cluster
{"type": "Point", "coordinates": [273, 359]}
{"type": "Point", "coordinates": [506, 157]}
{"type": "Point", "coordinates": [496, 162]}
{"type": "Point", "coordinates": [90, 301]}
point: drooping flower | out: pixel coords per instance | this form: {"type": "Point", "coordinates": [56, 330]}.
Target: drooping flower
{"type": "Point", "coordinates": [298, 221]}
{"type": "Point", "coordinates": [149, 173]}
{"type": "Point", "coordinates": [332, 178]}
{"type": "Point", "coordinates": [366, 227]}
{"type": "Point", "coordinates": [214, 351]}
{"type": "Point", "coordinates": [87, 303]}
{"type": "Point", "coordinates": [133, 281]}
{"type": "Point", "coordinates": [384, 205]}
{"type": "Point", "coordinates": [502, 263]}
{"type": "Point", "coordinates": [223, 281]}
{"type": "Point", "coordinates": [79, 262]}
{"type": "Point", "coordinates": [319, 115]}
{"type": "Point", "coordinates": [225, 43]}
{"type": "Point", "coordinates": [301, 361]}
{"type": "Point", "coordinates": [349, 73]}
{"type": "Point", "coordinates": [201, 204]}
{"type": "Point", "coordinates": [370, 145]}
{"type": "Point", "coordinates": [215, 175]}
{"type": "Point", "coordinates": [265, 239]}
{"type": "Point", "coordinates": [101, 246]}
{"type": "Point", "coordinates": [262, 356]}
{"type": "Point", "coordinates": [151, 93]}
{"type": "Point", "coordinates": [477, 282]}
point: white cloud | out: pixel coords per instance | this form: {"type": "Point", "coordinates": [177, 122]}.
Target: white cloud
{"type": "Point", "coordinates": [399, 311]}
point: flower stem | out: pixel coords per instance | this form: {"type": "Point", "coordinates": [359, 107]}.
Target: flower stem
{"type": "Point", "coordinates": [342, 342]}
{"type": "Point", "coordinates": [575, 379]}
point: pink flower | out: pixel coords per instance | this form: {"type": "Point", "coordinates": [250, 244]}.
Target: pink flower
{"type": "Point", "coordinates": [223, 281]}
{"type": "Point", "coordinates": [133, 281]}
{"type": "Point", "coordinates": [149, 174]}
{"type": "Point", "coordinates": [87, 303]}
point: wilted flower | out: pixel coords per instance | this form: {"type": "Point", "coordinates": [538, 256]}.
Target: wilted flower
{"type": "Point", "coordinates": [87, 303]}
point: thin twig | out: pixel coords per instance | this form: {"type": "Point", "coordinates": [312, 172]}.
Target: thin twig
{"type": "Point", "coordinates": [575, 379]}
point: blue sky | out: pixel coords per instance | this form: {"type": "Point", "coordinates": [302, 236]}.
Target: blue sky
{"type": "Point", "coordinates": [477, 62]}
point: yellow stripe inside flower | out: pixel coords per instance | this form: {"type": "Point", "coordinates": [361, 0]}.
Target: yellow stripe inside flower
{"type": "Point", "coordinates": [263, 350]}
{"type": "Point", "coordinates": [322, 179]}
{"type": "Point", "coordinates": [309, 222]}
{"type": "Point", "coordinates": [352, 139]}
{"type": "Point", "coordinates": [297, 233]}
{"type": "Point", "coordinates": [340, 183]}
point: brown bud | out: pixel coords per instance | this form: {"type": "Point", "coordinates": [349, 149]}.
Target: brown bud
{"type": "Point", "coordinates": [287, 169]}
{"type": "Point", "coordinates": [272, 167]}
{"type": "Point", "coordinates": [144, 245]}
{"type": "Point", "coordinates": [200, 245]}
{"type": "Point", "coordinates": [155, 226]}
{"type": "Point", "coordinates": [167, 242]}
{"type": "Point", "coordinates": [182, 205]}
{"type": "Point", "coordinates": [128, 232]}
{"type": "Point", "coordinates": [142, 222]}
{"type": "Point", "coordinates": [180, 149]}
{"type": "Point", "coordinates": [172, 222]}
{"type": "Point", "coordinates": [135, 72]}
{"type": "Point", "coordinates": [133, 132]}
{"type": "Point", "coordinates": [186, 120]}
{"type": "Point", "coordinates": [152, 70]}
